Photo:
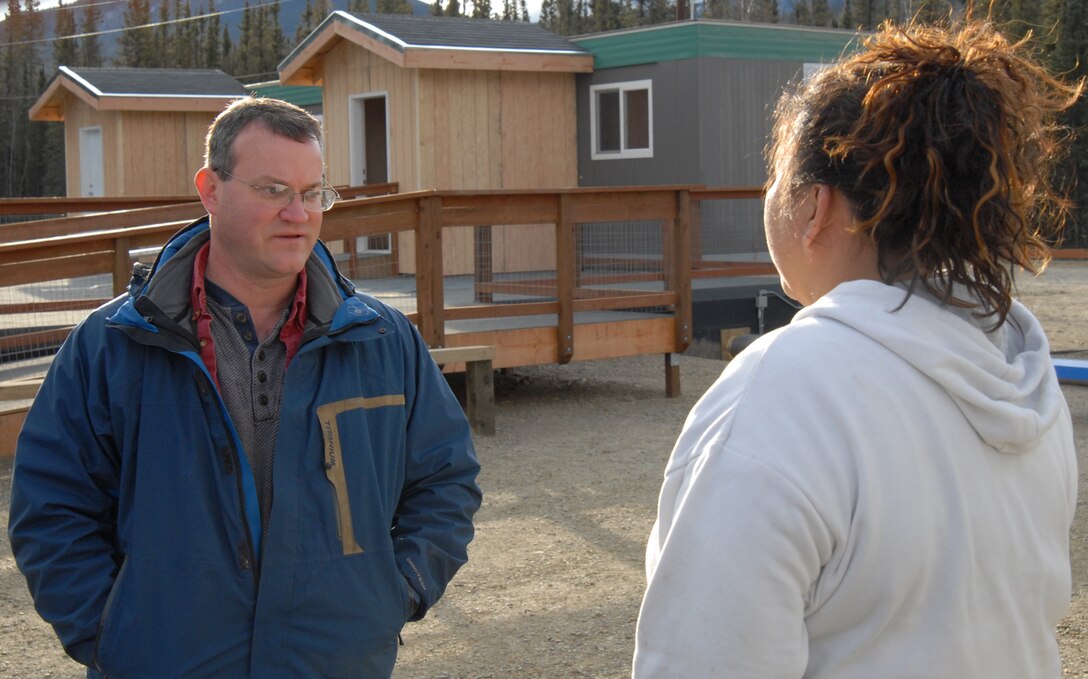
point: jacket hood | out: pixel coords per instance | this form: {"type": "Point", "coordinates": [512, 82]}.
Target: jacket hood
{"type": "Point", "coordinates": [1003, 381]}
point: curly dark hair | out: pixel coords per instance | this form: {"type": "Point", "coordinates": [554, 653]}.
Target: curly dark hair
{"type": "Point", "coordinates": [944, 140]}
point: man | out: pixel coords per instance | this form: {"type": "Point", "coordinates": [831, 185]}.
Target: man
{"type": "Point", "coordinates": [243, 467]}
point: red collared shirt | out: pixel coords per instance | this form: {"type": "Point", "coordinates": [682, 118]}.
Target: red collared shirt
{"type": "Point", "coordinates": [290, 333]}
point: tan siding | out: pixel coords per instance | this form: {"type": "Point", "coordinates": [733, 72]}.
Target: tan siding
{"type": "Point", "coordinates": [461, 129]}
{"type": "Point", "coordinates": [158, 152]}
{"type": "Point", "coordinates": [351, 71]}
{"type": "Point", "coordinates": [79, 115]}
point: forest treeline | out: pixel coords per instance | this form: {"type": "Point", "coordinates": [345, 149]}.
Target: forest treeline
{"type": "Point", "coordinates": [175, 34]}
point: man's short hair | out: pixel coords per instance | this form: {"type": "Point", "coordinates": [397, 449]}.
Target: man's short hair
{"type": "Point", "coordinates": [280, 117]}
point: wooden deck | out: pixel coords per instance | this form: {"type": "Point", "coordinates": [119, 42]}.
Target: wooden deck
{"type": "Point", "coordinates": [580, 308]}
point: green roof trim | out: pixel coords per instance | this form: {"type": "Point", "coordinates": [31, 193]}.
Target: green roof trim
{"type": "Point", "coordinates": [724, 40]}
{"type": "Point", "coordinates": [299, 95]}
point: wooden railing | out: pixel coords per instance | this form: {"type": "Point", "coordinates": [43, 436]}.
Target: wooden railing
{"type": "Point", "coordinates": [73, 247]}
{"type": "Point", "coordinates": [57, 205]}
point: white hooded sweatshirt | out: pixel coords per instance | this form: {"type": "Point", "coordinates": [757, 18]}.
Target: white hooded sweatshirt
{"type": "Point", "coordinates": [871, 491]}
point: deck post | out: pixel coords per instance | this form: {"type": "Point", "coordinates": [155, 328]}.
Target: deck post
{"type": "Point", "coordinates": [672, 375]}
{"type": "Point", "coordinates": [564, 273]}
{"type": "Point", "coordinates": [122, 265]}
{"type": "Point", "coordinates": [430, 301]}
{"type": "Point", "coordinates": [681, 267]}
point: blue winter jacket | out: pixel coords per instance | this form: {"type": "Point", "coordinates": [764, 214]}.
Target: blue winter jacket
{"type": "Point", "coordinates": [134, 514]}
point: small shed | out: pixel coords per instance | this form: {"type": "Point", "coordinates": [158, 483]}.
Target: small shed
{"type": "Point", "coordinates": [446, 103]}
{"type": "Point", "coordinates": [134, 131]}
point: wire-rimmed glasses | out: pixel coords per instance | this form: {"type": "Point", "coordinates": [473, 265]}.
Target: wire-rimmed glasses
{"type": "Point", "coordinates": [314, 200]}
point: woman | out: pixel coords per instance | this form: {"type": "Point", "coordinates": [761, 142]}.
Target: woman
{"type": "Point", "coordinates": [884, 488]}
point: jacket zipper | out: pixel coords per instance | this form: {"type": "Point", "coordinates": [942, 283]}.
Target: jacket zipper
{"type": "Point", "coordinates": [245, 550]}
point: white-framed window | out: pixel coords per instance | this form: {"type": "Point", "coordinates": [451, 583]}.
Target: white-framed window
{"type": "Point", "coordinates": [622, 120]}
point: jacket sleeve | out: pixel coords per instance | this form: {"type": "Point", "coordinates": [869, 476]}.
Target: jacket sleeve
{"type": "Point", "coordinates": [433, 523]}
{"type": "Point", "coordinates": [63, 503]}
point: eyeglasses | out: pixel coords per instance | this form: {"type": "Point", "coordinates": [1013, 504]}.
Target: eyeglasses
{"type": "Point", "coordinates": [314, 200]}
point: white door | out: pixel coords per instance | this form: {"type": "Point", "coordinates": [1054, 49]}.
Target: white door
{"type": "Point", "coordinates": [92, 179]}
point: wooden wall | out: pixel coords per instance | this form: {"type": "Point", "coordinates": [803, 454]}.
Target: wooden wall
{"type": "Point", "coordinates": [462, 130]}
{"type": "Point", "coordinates": [145, 153]}
{"type": "Point", "coordinates": [77, 115]}
{"type": "Point", "coordinates": [161, 151]}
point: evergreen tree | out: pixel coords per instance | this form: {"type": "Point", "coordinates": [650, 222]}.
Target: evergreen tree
{"type": "Point", "coordinates": [187, 39]}
{"type": "Point", "coordinates": [136, 46]}
{"type": "Point", "coordinates": [549, 17]}
{"type": "Point", "coordinates": [453, 8]}
{"type": "Point", "coordinates": [22, 165]}
{"type": "Point", "coordinates": [524, 12]}
{"type": "Point", "coordinates": [274, 45]}
{"type": "Point", "coordinates": [90, 51]}
{"type": "Point", "coordinates": [802, 13]}
{"type": "Point", "coordinates": [436, 8]}
{"type": "Point", "coordinates": [242, 54]}
{"type": "Point", "coordinates": [211, 50]}
{"type": "Point", "coordinates": [316, 11]}
{"type": "Point", "coordinates": [50, 157]}
{"type": "Point", "coordinates": [481, 9]}
{"type": "Point", "coordinates": [765, 11]}
{"type": "Point", "coordinates": [65, 48]}
{"type": "Point", "coordinates": [163, 37]}
{"type": "Point", "coordinates": [661, 11]}
{"type": "Point", "coordinates": [227, 58]}
{"type": "Point", "coordinates": [821, 13]}
{"type": "Point", "coordinates": [394, 7]}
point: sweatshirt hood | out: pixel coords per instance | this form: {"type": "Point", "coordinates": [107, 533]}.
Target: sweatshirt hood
{"type": "Point", "coordinates": [1002, 381]}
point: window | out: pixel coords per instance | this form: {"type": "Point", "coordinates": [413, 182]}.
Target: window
{"type": "Point", "coordinates": [621, 116]}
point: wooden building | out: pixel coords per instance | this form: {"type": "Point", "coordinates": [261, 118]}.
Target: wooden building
{"type": "Point", "coordinates": [446, 103]}
{"type": "Point", "coordinates": [134, 131]}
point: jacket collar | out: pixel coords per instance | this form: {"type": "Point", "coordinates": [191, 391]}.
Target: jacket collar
{"type": "Point", "coordinates": [331, 300]}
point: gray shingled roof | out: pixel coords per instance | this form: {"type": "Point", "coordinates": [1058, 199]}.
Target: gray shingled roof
{"type": "Point", "coordinates": [461, 33]}
{"type": "Point", "coordinates": [157, 82]}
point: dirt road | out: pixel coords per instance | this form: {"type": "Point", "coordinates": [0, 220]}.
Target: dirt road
{"type": "Point", "coordinates": [571, 480]}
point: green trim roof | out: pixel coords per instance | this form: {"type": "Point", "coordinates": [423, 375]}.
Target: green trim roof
{"type": "Point", "coordinates": [721, 39]}
{"type": "Point", "coordinates": [299, 95]}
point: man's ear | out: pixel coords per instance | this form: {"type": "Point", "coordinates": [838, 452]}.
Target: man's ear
{"type": "Point", "coordinates": [819, 206]}
{"type": "Point", "coordinates": [207, 185]}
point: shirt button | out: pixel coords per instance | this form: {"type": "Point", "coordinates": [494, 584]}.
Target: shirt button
{"type": "Point", "coordinates": [262, 399]}
{"type": "Point", "coordinates": [248, 336]}
{"type": "Point", "coordinates": [203, 343]}
{"type": "Point", "coordinates": [260, 355]}
{"type": "Point", "coordinates": [240, 318]}
{"type": "Point", "coordinates": [261, 377]}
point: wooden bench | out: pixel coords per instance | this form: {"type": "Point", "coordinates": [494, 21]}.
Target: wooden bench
{"type": "Point", "coordinates": [479, 383]}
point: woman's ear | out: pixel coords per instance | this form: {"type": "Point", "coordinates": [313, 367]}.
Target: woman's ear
{"type": "Point", "coordinates": [207, 186]}
{"type": "Point", "coordinates": [819, 213]}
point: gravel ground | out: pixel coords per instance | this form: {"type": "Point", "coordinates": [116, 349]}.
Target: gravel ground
{"type": "Point", "coordinates": [570, 480]}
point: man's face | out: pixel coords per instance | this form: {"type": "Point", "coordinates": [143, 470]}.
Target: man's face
{"type": "Point", "coordinates": [255, 238]}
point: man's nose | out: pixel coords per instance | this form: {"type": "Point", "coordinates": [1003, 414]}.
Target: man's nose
{"type": "Point", "coordinates": [294, 211]}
